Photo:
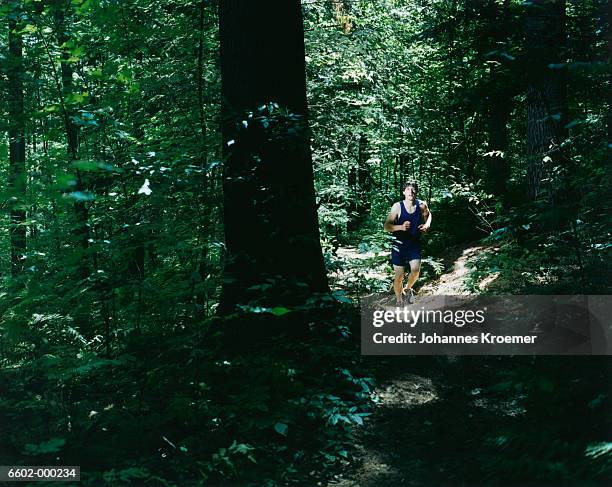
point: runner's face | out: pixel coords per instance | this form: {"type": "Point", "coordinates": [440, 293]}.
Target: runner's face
{"type": "Point", "coordinates": [410, 193]}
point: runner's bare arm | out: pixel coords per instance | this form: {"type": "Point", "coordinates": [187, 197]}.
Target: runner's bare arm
{"type": "Point", "coordinates": [389, 225]}
{"type": "Point", "coordinates": [427, 215]}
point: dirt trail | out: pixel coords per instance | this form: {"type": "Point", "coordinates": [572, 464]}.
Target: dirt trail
{"type": "Point", "coordinates": [372, 268]}
{"type": "Point", "coordinates": [379, 450]}
{"type": "Point", "coordinates": [431, 427]}
{"type": "Point", "coordinates": [421, 427]}
{"type": "Point", "coordinates": [458, 421]}
{"type": "Point", "coordinates": [453, 281]}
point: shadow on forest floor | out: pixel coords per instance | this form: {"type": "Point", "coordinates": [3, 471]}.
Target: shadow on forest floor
{"type": "Point", "coordinates": [445, 423]}
{"type": "Point", "coordinates": [424, 432]}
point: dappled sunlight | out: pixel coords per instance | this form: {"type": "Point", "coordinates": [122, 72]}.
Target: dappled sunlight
{"type": "Point", "coordinates": [369, 271]}
{"type": "Point", "coordinates": [377, 465]}
{"type": "Point", "coordinates": [361, 271]}
{"type": "Point", "coordinates": [407, 391]}
{"type": "Point", "coordinates": [374, 470]}
{"type": "Point", "coordinates": [453, 282]}
{"type": "Point", "coordinates": [484, 284]}
{"type": "Point", "coordinates": [355, 254]}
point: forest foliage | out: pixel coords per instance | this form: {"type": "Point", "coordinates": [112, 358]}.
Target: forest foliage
{"type": "Point", "coordinates": [113, 354]}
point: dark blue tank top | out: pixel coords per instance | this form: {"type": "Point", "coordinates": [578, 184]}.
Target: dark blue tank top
{"type": "Point", "coordinates": [412, 234]}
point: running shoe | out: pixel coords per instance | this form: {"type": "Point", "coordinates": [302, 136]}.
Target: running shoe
{"type": "Point", "coordinates": [410, 296]}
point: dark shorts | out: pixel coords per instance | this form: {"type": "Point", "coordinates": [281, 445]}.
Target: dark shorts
{"type": "Point", "coordinates": [402, 254]}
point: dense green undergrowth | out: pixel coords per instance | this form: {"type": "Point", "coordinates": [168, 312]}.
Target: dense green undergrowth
{"type": "Point", "coordinates": [174, 408]}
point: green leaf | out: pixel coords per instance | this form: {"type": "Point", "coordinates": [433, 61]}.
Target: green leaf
{"type": "Point", "coordinates": [51, 446]}
{"type": "Point", "coordinates": [124, 75]}
{"type": "Point", "coordinates": [279, 311]}
{"type": "Point", "coordinates": [341, 297]}
{"type": "Point", "coordinates": [93, 166]}
{"type": "Point", "coordinates": [82, 196]}
{"type": "Point", "coordinates": [75, 98]}
{"type": "Point", "coordinates": [50, 109]}
{"type": "Point", "coordinates": [66, 181]}
{"type": "Point", "coordinates": [599, 450]}
{"type": "Point", "coordinates": [573, 123]}
{"type": "Point", "coordinates": [281, 428]}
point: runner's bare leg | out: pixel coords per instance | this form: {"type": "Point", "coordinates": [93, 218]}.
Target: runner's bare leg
{"type": "Point", "coordinates": [415, 270]}
{"type": "Point", "coordinates": [398, 281]}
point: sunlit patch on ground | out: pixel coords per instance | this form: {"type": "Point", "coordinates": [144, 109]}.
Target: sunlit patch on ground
{"type": "Point", "coordinates": [407, 391]}
{"type": "Point", "coordinates": [373, 470]}
{"type": "Point", "coordinates": [453, 282]}
{"type": "Point", "coordinates": [485, 283]}
{"type": "Point", "coordinates": [508, 407]}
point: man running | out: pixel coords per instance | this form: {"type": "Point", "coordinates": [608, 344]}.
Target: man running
{"type": "Point", "coordinates": [404, 220]}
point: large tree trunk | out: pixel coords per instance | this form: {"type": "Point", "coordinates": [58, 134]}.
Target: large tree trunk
{"type": "Point", "coordinates": [16, 133]}
{"type": "Point", "coordinates": [271, 228]}
{"type": "Point", "coordinates": [546, 97]}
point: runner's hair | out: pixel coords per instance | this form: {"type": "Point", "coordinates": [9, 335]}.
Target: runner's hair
{"type": "Point", "coordinates": [412, 183]}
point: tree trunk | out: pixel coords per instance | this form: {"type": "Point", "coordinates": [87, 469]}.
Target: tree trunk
{"type": "Point", "coordinates": [546, 98]}
{"type": "Point", "coordinates": [352, 202]}
{"type": "Point", "coordinates": [397, 190]}
{"type": "Point", "coordinates": [16, 134]}
{"type": "Point", "coordinates": [271, 229]}
{"type": "Point", "coordinates": [200, 72]}
{"type": "Point", "coordinates": [364, 178]}
{"type": "Point", "coordinates": [360, 184]}
{"type": "Point", "coordinates": [203, 205]}
{"type": "Point", "coordinates": [72, 136]}
{"type": "Point", "coordinates": [498, 168]}
{"type": "Point", "coordinates": [451, 109]}
{"type": "Point", "coordinates": [499, 107]}
{"type": "Point", "coordinates": [606, 17]}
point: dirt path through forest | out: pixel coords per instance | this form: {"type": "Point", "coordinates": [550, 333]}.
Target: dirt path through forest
{"type": "Point", "coordinates": [421, 428]}
{"type": "Point", "coordinates": [432, 426]}
{"type": "Point", "coordinates": [462, 421]}
{"type": "Point", "coordinates": [373, 268]}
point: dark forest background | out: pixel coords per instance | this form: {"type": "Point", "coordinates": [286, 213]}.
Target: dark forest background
{"type": "Point", "coordinates": [182, 180]}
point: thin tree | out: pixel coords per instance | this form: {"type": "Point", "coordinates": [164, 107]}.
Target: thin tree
{"type": "Point", "coordinates": [16, 134]}
{"type": "Point", "coordinates": [360, 183]}
{"type": "Point", "coordinates": [72, 136]}
{"type": "Point", "coordinates": [499, 100]}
